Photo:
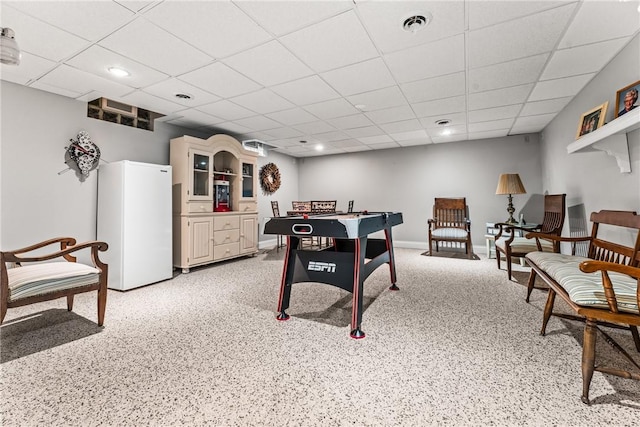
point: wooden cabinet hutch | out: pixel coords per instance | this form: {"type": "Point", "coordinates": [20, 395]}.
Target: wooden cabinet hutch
{"type": "Point", "coordinates": [201, 234]}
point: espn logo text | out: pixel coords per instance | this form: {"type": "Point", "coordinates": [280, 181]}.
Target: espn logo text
{"type": "Point", "coordinates": [327, 267]}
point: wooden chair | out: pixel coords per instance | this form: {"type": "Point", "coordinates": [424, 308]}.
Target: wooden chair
{"type": "Point", "coordinates": [31, 279]}
{"type": "Point", "coordinates": [323, 206]}
{"type": "Point", "coordinates": [450, 223]}
{"type": "Point", "coordinates": [276, 214]}
{"type": "Point", "coordinates": [510, 245]}
{"type": "Point", "coordinates": [350, 206]}
{"type": "Point", "coordinates": [299, 206]}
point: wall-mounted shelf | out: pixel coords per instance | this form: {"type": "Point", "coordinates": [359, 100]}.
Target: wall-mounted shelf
{"type": "Point", "coordinates": [611, 138]}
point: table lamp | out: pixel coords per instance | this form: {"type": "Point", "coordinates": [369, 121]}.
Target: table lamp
{"type": "Point", "coordinates": [509, 183]}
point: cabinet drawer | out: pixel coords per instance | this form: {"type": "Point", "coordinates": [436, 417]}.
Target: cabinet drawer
{"type": "Point", "coordinates": [247, 206]}
{"type": "Point", "coordinates": [200, 207]}
{"type": "Point", "coordinates": [223, 237]}
{"type": "Point", "coordinates": [226, 222]}
{"type": "Point", "coordinates": [226, 251]}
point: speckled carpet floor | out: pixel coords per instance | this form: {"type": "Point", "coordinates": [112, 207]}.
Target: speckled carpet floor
{"type": "Point", "coordinates": [457, 345]}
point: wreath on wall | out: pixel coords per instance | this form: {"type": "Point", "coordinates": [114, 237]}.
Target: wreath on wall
{"type": "Point", "coordinates": [270, 178]}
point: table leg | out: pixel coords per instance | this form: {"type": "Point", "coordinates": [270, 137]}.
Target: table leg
{"type": "Point", "coordinates": [287, 278]}
{"type": "Point", "coordinates": [356, 311]}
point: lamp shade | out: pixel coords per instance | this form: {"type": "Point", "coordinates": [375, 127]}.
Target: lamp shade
{"type": "Point", "coordinates": [509, 183]}
{"type": "Point", "coordinates": [9, 51]}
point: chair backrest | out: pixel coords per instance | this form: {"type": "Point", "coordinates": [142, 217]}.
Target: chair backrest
{"type": "Point", "coordinates": [275, 209]}
{"type": "Point", "coordinates": [323, 205]}
{"type": "Point", "coordinates": [554, 213]}
{"type": "Point", "coordinates": [301, 206]}
{"type": "Point", "coordinates": [450, 212]}
{"type": "Point", "coordinates": [350, 208]}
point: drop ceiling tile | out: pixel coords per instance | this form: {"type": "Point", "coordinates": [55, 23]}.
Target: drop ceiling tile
{"type": "Point", "coordinates": [440, 107]}
{"type": "Point", "coordinates": [194, 118]}
{"type": "Point", "coordinates": [582, 59]}
{"type": "Point", "coordinates": [393, 114]}
{"type": "Point", "coordinates": [30, 33]}
{"type": "Point", "coordinates": [331, 136]}
{"type": "Point", "coordinates": [269, 64]}
{"type": "Point", "coordinates": [54, 89]}
{"type": "Point", "coordinates": [401, 126]}
{"type": "Point", "coordinates": [384, 146]}
{"type": "Point", "coordinates": [293, 116]}
{"type": "Point", "coordinates": [30, 67]}
{"type": "Point", "coordinates": [449, 138]}
{"type": "Point", "coordinates": [357, 149]}
{"type": "Point", "coordinates": [201, 24]}
{"type": "Point", "coordinates": [379, 99]}
{"type": "Point", "coordinates": [435, 88]}
{"type": "Point", "coordinates": [78, 81]}
{"type": "Point", "coordinates": [233, 128]}
{"type": "Point", "coordinates": [258, 123]}
{"type": "Point", "coordinates": [144, 42]}
{"type": "Point", "coordinates": [226, 110]}
{"type": "Point", "coordinates": [97, 60]}
{"type": "Point", "coordinates": [282, 17]}
{"type": "Point", "coordinates": [314, 127]}
{"type": "Point", "coordinates": [167, 89]}
{"type": "Point", "coordinates": [559, 88]}
{"type": "Point", "coordinates": [511, 73]}
{"type": "Point", "coordinates": [362, 77]}
{"type": "Point", "coordinates": [496, 113]}
{"type": "Point", "coordinates": [489, 134]}
{"type": "Point", "coordinates": [444, 133]}
{"type": "Point", "coordinates": [221, 80]}
{"type": "Point", "coordinates": [87, 19]}
{"type": "Point", "coordinates": [350, 122]}
{"type": "Point", "coordinates": [486, 13]}
{"type": "Point", "coordinates": [346, 143]}
{"type": "Point", "coordinates": [408, 136]}
{"type": "Point", "coordinates": [333, 43]}
{"type": "Point", "coordinates": [518, 38]}
{"type": "Point", "coordinates": [547, 106]}
{"type": "Point", "coordinates": [377, 139]}
{"type": "Point", "coordinates": [414, 142]}
{"type": "Point", "coordinates": [430, 60]}
{"type": "Point", "coordinates": [601, 20]}
{"type": "Point", "coordinates": [364, 132]}
{"type": "Point", "coordinates": [454, 120]}
{"type": "Point", "coordinates": [263, 101]}
{"type": "Point", "coordinates": [491, 125]}
{"type": "Point", "coordinates": [384, 19]}
{"type": "Point", "coordinates": [284, 133]}
{"type": "Point", "coordinates": [309, 90]}
{"type": "Point", "coordinates": [499, 97]}
{"type": "Point", "coordinates": [539, 121]}
{"type": "Point", "coordinates": [331, 109]}
{"type": "Point", "coordinates": [150, 102]}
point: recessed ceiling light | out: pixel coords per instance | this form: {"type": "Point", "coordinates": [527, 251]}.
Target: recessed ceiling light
{"type": "Point", "coordinates": [446, 132]}
{"type": "Point", "coordinates": [416, 21]}
{"type": "Point", "coordinates": [319, 147]}
{"type": "Point", "coordinates": [118, 72]}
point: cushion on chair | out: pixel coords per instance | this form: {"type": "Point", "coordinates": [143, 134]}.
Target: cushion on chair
{"type": "Point", "coordinates": [449, 233]}
{"type": "Point", "coordinates": [586, 288]}
{"type": "Point", "coordinates": [524, 245]}
{"type": "Point", "coordinates": [38, 279]}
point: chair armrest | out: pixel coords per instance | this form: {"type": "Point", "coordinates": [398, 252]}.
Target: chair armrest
{"type": "Point", "coordinates": [605, 267]}
{"type": "Point", "coordinates": [65, 251]}
{"type": "Point", "coordinates": [554, 238]}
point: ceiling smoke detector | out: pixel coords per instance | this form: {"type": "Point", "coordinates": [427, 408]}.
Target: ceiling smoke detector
{"type": "Point", "coordinates": [416, 21]}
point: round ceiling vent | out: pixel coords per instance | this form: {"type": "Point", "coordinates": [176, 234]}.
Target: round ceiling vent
{"type": "Point", "coordinates": [443, 122]}
{"type": "Point", "coordinates": [416, 21]}
{"type": "Point", "coordinates": [183, 96]}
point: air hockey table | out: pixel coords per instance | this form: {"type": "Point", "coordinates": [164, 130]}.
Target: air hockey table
{"type": "Point", "coordinates": [346, 263]}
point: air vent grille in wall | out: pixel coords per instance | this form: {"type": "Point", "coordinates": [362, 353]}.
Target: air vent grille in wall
{"type": "Point", "coordinates": [121, 113]}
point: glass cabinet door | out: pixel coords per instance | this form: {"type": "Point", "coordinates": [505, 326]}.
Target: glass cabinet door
{"type": "Point", "coordinates": [201, 172]}
{"type": "Point", "coordinates": [247, 179]}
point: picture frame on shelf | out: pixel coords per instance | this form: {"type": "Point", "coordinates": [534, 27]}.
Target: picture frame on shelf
{"type": "Point", "coordinates": [627, 95]}
{"type": "Point", "coordinates": [592, 120]}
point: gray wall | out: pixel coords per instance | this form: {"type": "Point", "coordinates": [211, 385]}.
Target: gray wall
{"type": "Point", "coordinates": [408, 179]}
{"type": "Point", "coordinates": [593, 178]}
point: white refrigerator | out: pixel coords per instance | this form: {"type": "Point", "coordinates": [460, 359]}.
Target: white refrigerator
{"type": "Point", "coordinates": [134, 218]}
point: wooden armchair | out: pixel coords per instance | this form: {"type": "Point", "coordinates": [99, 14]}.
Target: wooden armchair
{"type": "Point", "coordinates": [510, 245]}
{"type": "Point", "coordinates": [276, 213]}
{"type": "Point", "coordinates": [31, 279]}
{"type": "Point", "coordinates": [450, 223]}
